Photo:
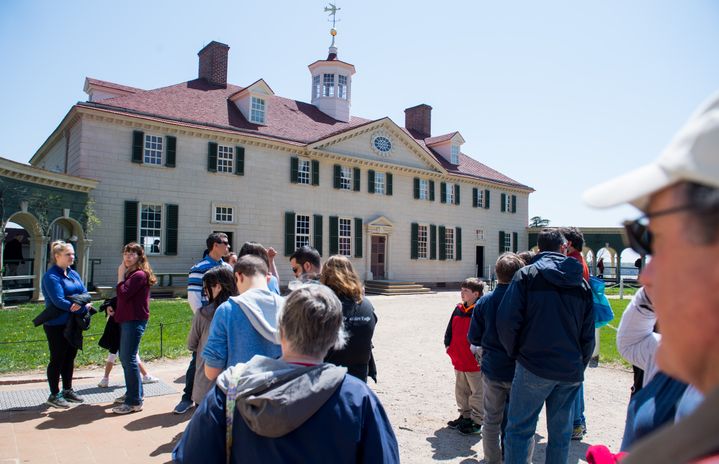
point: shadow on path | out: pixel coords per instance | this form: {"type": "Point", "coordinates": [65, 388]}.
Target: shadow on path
{"type": "Point", "coordinates": [448, 443]}
{"type": "Point", "coordinates": [79, 415]}
{"type": "Point", "coordinates": [163, 420]}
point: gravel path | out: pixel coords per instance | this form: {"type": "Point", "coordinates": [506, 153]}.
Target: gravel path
{"type": "Point", "coordinates": [416, 386]}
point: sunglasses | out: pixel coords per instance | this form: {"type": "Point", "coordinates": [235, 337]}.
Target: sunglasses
{"type": "Point", "coordinates": [223, 242]}
{"type": "Point", "coordinates": [638, 233]}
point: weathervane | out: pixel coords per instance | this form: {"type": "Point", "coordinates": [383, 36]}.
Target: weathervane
{"type": "Point", "coordinates": [333, 12]}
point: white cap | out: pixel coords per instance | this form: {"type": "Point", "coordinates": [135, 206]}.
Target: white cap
{"type": "Point", "coordinates": [693, 155]}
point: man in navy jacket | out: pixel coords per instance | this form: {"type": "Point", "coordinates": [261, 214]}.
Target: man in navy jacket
{"type": "Point", "coordinates": [546, 323]}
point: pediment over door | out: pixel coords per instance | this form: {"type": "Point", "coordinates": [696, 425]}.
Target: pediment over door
{"type": "Point", "coordinates": [380, 225]}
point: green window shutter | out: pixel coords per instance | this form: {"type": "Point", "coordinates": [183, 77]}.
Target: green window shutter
{"type": "Point", "coordinates": [501, 242]}
{"type": "Point", "coordinates": [240, 161]}
{"type": "Point", "coordinates": [388, 180]}
{"type": "Point", "coordinates": [358, 237]}
{"type": "Point", "coordinates": [486, 199]}
{"type": "Point", "coordinates": [456, 194]}
{"type": "Point", "coordinates": [334, 235]}
{"type": "Point", "coordinates": [442, 243]}
{"type": "Point", "coordinates": [317, 232]}
{"type": "Point", "coordinates": [289, 233]}
{"type": "Point", "coordinates": [431, 190]}
{"type": "Point", "coordinates": [475, 194]}
{"type": "Point", "coordinates": [138, 146]}
{"type": "Point", "coordinates": [294, 168]}
{"type": "Point", "coordinates": [131, 221]}
{"type": "Point", "coordinates": [432, 242]}
{"type": "Point", "coordinates": [315, 172]}
{"type": "Point", "coordinates": [514, 203]}
{"type": "Point", "coordinates": [356, 179]}
{"type": "Point", "coordinates": [414, 239]}
{"type": "Point", "coordinates": [503, 201]}
{"type": "Point", "coordinates": [370, 181]}
{"type": "Point", "coordinates": [458, 243]}
{"type": "Point", "coordinates": [212, 156]}
{"type": "Point", "coordinates": [515, 239]}
{"type": "Point", "coordinates": [416, 188]}
{"type": "Point", "coordinates": [338, 176]}
{"type": "Point", "coordinates": [171, 229]}
{"type": "Point", "coordinates": [443, 192]}
{"type": "Point", "coordinates": [171, 151]}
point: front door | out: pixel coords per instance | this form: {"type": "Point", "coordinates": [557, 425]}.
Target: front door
{"type": "Point", "coordinates": [377, 256]}
{"type": "Point", "coordinates": [479, 260]}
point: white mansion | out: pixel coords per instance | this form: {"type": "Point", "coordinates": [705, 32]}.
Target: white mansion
{"type": "Point", "coordinates": [178, 162]}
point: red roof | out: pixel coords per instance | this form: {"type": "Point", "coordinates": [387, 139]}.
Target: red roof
{"type": "Point", "coordinates": [199, 103]}
{"type": "Point", "coordinates": [112, 85]}
{"type": "Point", "coordinates": [439, 139]}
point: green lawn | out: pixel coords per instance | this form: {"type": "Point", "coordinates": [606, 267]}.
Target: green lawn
{"type": "Point", "coordinates": [608, 335]}
{"type": "Point", "coordinates": [173, 316]}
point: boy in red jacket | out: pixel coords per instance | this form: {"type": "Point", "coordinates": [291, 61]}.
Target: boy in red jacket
{"type": "Point", "coordinates": [468, 378]}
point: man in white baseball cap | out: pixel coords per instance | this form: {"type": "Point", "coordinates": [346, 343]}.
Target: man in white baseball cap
{"type": "Point", "coordinates": [679, 195]}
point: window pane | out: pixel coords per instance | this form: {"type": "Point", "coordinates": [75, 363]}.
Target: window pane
{"type": "Point", "coordinates": [153, 149]}
{"type": "Point", "coordinates": [450, 193]}
{"type": "Point", "coordinates": [225, 159]}
{"type": "Point", "coordinates": [345, 236]}
{"type": "Point", "coordinates": [422, 242]}
{"type": "Point", "coordinates": [303, 172]}
{"type": "Point", "coordinates": [346, 179]}
{"type": "Point", "coordinates": [302, 230]}
{"type": "Point", "coordinates": [151, 228]}
{"type": "Point", "coordinates": [379, 183]}
{"type": "Point", "coordinates": [342, 87]}
{"type": "Point", "coordinates": [257, 110]}
{"type": "Point", "coordinates": [224, 214]}
{"type": "Point", "coordinates": [449, 242]}
{"type": "Point", "coordinates": [316, 86]}
{"type": "Point", "coordinates": [328, 85]}
{"type": "Point", "coordinates": [423, 189]}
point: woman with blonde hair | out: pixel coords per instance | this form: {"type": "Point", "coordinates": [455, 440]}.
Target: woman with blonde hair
{"type": "Point", "coordinates": [134, 279]}
{"type": "Point", "coordinates": [59, 285]}
{"type": "Point", "coordinates": [359, 318]}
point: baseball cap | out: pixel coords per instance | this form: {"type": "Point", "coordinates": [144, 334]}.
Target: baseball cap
{"type": "Point", "coordinates": [693, 155]}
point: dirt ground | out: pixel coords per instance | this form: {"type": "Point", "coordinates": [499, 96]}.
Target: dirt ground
{"type": "Point", "coordinates": [416, 386]}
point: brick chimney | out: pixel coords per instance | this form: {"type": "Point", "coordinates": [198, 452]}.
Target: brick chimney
{"type": "Point", "coordinates": [213, 63]}
{"type": "Point", "coordinates": [418, 120]}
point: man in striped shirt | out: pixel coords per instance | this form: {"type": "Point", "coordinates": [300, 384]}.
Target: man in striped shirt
{"type": "Point", "coordinates": [218, 246]}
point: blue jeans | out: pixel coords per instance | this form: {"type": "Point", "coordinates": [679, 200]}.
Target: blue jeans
{"type": "Point", "coordinates": [579, 408]}
{"type": "Point", "coordinates": [528, 395]}
{"type": "Point", "coordinates": [130, 336]}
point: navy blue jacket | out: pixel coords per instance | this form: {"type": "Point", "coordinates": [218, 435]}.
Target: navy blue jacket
{"type": "Point", "coordinates": [546, 318]}
{"type": "Point", "coordinates": [496, 365]}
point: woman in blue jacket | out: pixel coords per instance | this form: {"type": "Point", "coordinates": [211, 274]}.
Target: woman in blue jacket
{"type": "Point", "coordinates": [58, 284]}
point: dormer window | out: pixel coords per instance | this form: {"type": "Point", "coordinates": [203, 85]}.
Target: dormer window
{"type": "Point", "coordinates": [257, 110]}
{"type": "Point", "coordinates": [328, 87]}
{"type": "Point", "coordinates": [342, 87]}
{"type": "Point", "coordinates": [455, 154]}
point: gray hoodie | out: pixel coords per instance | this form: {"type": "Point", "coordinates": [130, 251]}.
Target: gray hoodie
{"type": "Point", "coordinates": [276, 397]}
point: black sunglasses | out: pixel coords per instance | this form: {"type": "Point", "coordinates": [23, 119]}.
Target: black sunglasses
{"type": "Point", "coordinates": [640, 238]}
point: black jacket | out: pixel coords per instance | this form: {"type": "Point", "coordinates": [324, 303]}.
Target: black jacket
{"type": "Point", "coordinates": [76, 323]}
{"type": "Point", "coordinates": [110, 339]}
{"type": "Point", "coordinates": [356, 356]}
{"type": "Point", "coordinates": [51, 312]}
{"type": "Point", "coordinates": [546, 318]}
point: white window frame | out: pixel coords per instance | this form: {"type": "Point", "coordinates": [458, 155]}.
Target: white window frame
{"type": "Point", "coordinates": [508, 203]}
{"type": "Point", "coordinates": [346, 178]}
{"type": "Point", "coordinates": [304, 171]}
{"type": "Point", "coordinates": [344, 236]}
{"type": "Point", "coordinates": [147, 240]}
{"type": "Point", "coordinates": [454, 154]}
{"type": "Point", "coordinates": [507, 241]}
{"type": "Point", "coordinates": [153, 148]}
{"type": "Point", "coordinates": [328, 85]}
{"type": "Point", "coordinates": [303, 236]}
{"type": "Point", "coordinates": [342, 87]}
{"type": "Point", "coordinates": [316, 86]}
{"type": "Point", "coordinates": [449, 193]}
{"type": "Point", "coordinates": [228, 211]}
{"type": "Point", "coordinates": [258, 107]}
{"type": "Point", "coordinates": [480, 198]}
{"type": "Point", "coordinates": [424, 189]}
{"type": "Point", "coordinates": [225, 159]}
{"type": "Point", "coordinates": [423, 241]}
{"type": "Point", "coordinates": [449, 242]}
{"type": "Point", "coordinates": [380, 181]}
{"type": "Point", "coordinates": [479, 234]}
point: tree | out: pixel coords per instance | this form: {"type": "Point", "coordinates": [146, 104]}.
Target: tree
{"type": "Point", "coordinates": [538, 221]}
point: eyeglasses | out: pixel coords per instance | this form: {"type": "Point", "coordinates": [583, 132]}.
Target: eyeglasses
{"type": "Point", "coordinates": [640, 238]}
{"type": "Point", "coordinates": [223, 242]}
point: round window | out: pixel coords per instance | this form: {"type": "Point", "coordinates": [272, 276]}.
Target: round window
{"type": "Point", "coordinates": [382, 144]}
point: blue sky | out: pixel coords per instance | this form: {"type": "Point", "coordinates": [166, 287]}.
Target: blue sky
{"type": "Point", "coordinates": [558, 95]}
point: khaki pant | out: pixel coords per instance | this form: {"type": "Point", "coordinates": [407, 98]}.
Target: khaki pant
{"type": "Point", "coordinates": [469, 396]}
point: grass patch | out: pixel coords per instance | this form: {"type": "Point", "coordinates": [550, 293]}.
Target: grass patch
{"type": "Point", "coordinates": [628, 291]}
{"type": "Point", "coordinates": [23, 347]}
{"type": "Point", "coordinates": [608, 352]}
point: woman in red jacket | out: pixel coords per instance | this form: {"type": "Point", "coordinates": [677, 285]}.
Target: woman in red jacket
{"type": "Point", "coordinates": [134, 279]}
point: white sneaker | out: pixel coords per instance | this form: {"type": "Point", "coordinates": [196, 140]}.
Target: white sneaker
{"type": "Point", "coordinates": [104, 383]}
{"type": "Point", "coordinates": [149, 379]}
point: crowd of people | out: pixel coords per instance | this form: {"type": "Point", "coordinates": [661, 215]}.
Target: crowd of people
{"type": "Point", "coordinates": [271, 374]}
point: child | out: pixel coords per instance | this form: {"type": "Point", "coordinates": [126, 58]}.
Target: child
{"type": "Point", "coordinates": [468, 378]}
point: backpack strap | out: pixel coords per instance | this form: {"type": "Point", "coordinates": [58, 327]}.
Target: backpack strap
{"type": "Point", "coordinates": [231, 399]}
